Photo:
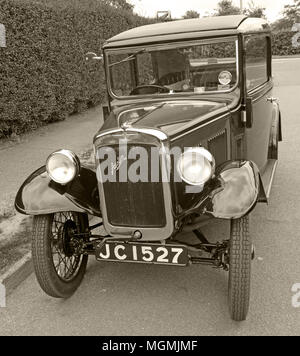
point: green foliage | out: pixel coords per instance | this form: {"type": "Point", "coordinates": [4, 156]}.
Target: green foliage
{"type": "Point", "coordinates": [282, 24]}
{"type": "Point", "coordinates": [120, 4]}
{"type": "Point", "coordinates": [43, 73]}
{"type": "Point", "coordinates": [291, 15]}
{"type": "Point", "coordinates": [292, 12]}
{"type": "Point", "coordinates": [225, 8]}
{"type": "Point", "coordinates": [191, 14]}
{"type": "Point", "coordinates": [254, 10]}
{"type": "Point", "coordinates": [282, 44]}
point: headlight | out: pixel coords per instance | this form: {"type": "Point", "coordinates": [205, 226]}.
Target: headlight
{"type": "Point", "coordinates": [196, 166]}
{"type": "Point", "coordinates": [63, 166]}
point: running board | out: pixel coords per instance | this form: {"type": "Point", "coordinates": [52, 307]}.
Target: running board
{"type": "Point", "coordinates": [268, 176]}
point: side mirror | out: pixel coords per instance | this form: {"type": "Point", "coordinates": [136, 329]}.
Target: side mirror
{"type": "Point", "coordinates": [93, 56]}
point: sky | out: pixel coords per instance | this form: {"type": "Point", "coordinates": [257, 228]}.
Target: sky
{"type": "Point", "coordinates": [178, 8]}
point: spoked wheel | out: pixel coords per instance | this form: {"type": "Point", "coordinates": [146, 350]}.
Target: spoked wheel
{"type": "Point", "coordinates": [241, 253]}
{"type": "Point", "coordinates": [58, 263]}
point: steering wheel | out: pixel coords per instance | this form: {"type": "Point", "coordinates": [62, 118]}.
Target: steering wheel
{"type": "Point", "coordinates": [149, 89]}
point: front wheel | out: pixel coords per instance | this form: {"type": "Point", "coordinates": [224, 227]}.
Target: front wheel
{"type": "Point", "coordinates": [58, 264]}
{"type": "Point", "coordinates": [240, 256]}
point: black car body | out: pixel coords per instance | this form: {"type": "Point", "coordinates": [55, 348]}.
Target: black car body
{"type": "Point", "coordinates": [202, 88]}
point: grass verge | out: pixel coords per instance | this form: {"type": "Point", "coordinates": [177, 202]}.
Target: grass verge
{"type": "Point", "coordinates": [16, 246]}
{"type": "Point", "coordinates": [15, 231]}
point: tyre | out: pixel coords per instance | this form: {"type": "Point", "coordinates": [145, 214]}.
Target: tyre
{"type": "Point", "coordinates": [58, 264]}
{"type": "Point", "coordinates": [273, 145]}
{"type": "Point", "coordinates": [240, 257]}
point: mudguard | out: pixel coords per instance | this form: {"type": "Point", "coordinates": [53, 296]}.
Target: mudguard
{"type": "Point", "coordinates": [39, 195]}
{"type": "Point", "coordinates": [238, 190]}
{"type": "Point", "coordinates": [275, 132]}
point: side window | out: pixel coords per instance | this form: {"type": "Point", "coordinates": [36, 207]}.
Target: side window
{"type": "Point", "coordinates": [256, 50]}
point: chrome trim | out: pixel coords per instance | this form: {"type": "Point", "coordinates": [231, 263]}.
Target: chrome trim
{"type": "Point", "coordinates": [152, 132]}
{"type": "Point", "coordinates": [268, 192]}
{"type": "Point", "coordinates": [149, 234]}
{"type": "Point", "coordinates": [223, 132]}
{"type": "Point", "coordinates": [270, 183]}
{"type": "Point", "coordinates": [71, 156]}
{"type": "Point", "coordinates": [106, 133]}
{"type": "Point", "coordinates": [207, 155]}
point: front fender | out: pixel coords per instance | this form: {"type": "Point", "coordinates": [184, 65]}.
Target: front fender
{"type": "Point", "coordinates": [39, 195]}
{"type": "Point", "coordinates": [238, 190]}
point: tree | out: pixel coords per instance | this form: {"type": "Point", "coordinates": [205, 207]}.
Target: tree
{"type": "Point", "coordinates": [191, 14]}
{"type": "Point", "coordinates": [225, 7]}
{"type": "Point", "coordinates": [291, 16]}
{"type": "Point", "coordinates": [255, 11]}
{"type": "Point", "coordinates": [292, 12]}
{"type": "Point", "coordinates": [120, 4]}
{"type": "Point", "coordinates": [282, 24]}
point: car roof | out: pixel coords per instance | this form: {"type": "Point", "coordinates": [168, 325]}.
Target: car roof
{"type": "Point", "coordinates": [187, 29]}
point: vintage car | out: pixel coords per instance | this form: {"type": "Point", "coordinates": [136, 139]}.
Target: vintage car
{"type": "Point", "coordinates": [190, 136]}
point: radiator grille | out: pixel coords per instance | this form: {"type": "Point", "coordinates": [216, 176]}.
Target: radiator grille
{"type": "Point", "coordinates": [217, 146]}
{"type": "Point", "coordinates": [139, 204]}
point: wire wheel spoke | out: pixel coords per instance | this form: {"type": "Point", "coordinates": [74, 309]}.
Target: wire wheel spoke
{"type": "Point", "coordinates": [65, 260]}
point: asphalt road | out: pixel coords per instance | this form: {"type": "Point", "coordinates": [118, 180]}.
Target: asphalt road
{"type": "Point", "coordinates": [117, 299]}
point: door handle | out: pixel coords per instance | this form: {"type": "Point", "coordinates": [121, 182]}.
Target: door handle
{"type": "Point", "coordinates": [272, 100]}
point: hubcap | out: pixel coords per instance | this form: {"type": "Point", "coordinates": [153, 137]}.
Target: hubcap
{"type": "Point", "coordinates": [66, 260]}
{"type": "Point", "coordinates": [65, 235]}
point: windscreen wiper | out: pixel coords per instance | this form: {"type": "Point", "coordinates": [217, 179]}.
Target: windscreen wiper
{"type": "Point", "coordinates": [129, 58]}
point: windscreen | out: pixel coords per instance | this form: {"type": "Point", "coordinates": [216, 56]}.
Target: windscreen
{"type": "Point", "coordinates": [196, 68]}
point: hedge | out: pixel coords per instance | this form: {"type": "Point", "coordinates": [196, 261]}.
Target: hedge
{"type": "Point", "coordinates": [43, 73]}
{"type": "Point", "coordinates": [282, 43]}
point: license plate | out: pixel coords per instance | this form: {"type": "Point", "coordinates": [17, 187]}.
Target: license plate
{"type": "Point", "coordinates": [143, 253]}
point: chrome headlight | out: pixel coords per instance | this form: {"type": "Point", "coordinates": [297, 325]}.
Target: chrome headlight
{"type": "Point", "coordinates": [196, 166]}
{"type": "Point", "coordinates": [63, 166]}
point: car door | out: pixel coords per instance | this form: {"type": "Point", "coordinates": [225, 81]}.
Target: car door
{"type": "Point", "coordinates": [259, 89]}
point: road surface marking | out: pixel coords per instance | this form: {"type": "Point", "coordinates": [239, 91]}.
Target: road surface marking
{"type": "Point", "coordinates": [285, 59]}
